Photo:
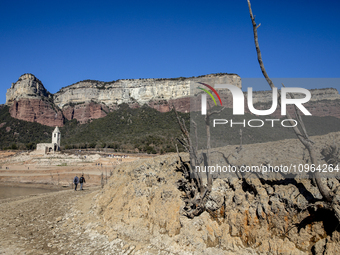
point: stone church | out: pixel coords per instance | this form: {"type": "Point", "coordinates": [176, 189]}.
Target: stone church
{"type": "Point", "coordinates": [51, 147]}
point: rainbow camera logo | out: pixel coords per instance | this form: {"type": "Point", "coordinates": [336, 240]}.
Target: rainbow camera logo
{"type": "Point", "coordinates": [204, 97]}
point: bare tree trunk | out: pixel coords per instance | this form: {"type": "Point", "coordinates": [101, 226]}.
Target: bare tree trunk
{"type": "Point", "coordinates": [303, 137]}
{"type": "Point", "coordinates": [196, 191]}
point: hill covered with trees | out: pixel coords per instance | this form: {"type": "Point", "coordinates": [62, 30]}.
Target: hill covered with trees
{"type": "Point", "coordinates": [143, 130]}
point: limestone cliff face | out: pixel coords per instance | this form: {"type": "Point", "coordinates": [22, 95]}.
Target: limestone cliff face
{"type": "Point", "coordinates": [140, 91]}
{"type": "Point", "coordinates": [87, 100]}
{"type": "Point", "coordinates": [30, 101]}
{"type": "Point", "coordinates": [27, 86]}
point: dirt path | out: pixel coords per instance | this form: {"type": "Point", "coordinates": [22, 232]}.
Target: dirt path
{"type": "Point", "coordinates": [45, 224]}
{"type": "Point", "coordinates": [60, 222]}
{"type": "Point", "coordinates": [29, 224]}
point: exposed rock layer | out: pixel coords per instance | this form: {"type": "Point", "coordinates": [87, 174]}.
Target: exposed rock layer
{"type": "Point", "coordinates": [141, 91]}
{"type": "Point", "coordinates": [27, 86]}
{"type": "Point", "coordinates": [36, 110]}
{"type": "Point", "coordinates": [87, 100]}
{"type": "Point", "coordinates": [85, 112]}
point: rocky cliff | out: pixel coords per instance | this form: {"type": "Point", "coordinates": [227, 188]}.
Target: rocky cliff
{"type": "Point", "coordinates": [28, 87]}
{"type": "Point", "coordinates": [141, 91]}
{"type": "Point", "coordinates": [37, 110]}
{"type": "Point", "coordinates": [90, 99]}
{"type": "Point", "coordinates": [86, 111]}
{"type": "Point", "coordinates": [30, 101]}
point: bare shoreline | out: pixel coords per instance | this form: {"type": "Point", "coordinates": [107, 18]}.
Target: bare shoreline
{"type": "Point", "coordinates": [33, 185]}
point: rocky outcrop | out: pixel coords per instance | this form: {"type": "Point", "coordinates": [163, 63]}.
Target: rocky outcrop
{"type": "Point", "coordinates": [28, 87]}
{"type": "Point", "coordinates": [89, 99]}
{"type": "Point", "coordinates": [36, 110]}
{"type": "Point", "coordinates": [86, 111]}
{"type": "Point", "coordinates": [160, 94]}
{"type": "Point", "coordinates": [181, 104]}
{"type": "Point", "coordinates": [131, 91]}
{"type": "Point", "coordinates": [30, 101]}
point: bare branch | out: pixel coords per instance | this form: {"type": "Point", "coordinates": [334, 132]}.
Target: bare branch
{"type": "Point", "coordinates": [325, 192]}
{"type": "Point", "coordinates": [259, 56]}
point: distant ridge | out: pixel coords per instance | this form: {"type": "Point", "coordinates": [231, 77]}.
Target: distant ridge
{"type": "Point", "coordinates": [90, 99]}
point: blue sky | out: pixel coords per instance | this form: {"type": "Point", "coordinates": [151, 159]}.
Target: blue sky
{"type": "Point", "coordinates": [62, 42]}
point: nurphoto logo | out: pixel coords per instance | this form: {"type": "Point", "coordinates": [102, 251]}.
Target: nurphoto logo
{"type": "Point", "coordinates": [238, 104]}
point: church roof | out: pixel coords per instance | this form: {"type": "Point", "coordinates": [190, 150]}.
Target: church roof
{"type": "Point", "coordinates": [56, 130]}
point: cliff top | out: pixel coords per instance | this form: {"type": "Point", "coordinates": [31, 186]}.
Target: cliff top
{"type": "Point", "coordinates": [102, 84]}
{"type": "Point", "coordinates": [127, 90]}
{"type": "Point", "coordinates": [27, 76]}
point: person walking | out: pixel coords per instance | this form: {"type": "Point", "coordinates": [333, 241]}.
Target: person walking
{"type": "Point", "coordinates": [81, 181]}
{"type": "Point", "coordinates": [75, 181]}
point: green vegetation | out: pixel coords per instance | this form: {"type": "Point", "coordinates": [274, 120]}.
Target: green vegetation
{"type": "Point", "coordinates": [145, 130]}
{"type": "Point", "coordinates": [19, 134]}
{"type": "Point", "coordinates": [72, 104]}
{"type": "Point", "coordinates": [126, 130]}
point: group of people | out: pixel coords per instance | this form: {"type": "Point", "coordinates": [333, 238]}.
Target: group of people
{"type": "Point", "coordinates": [80, 180]}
